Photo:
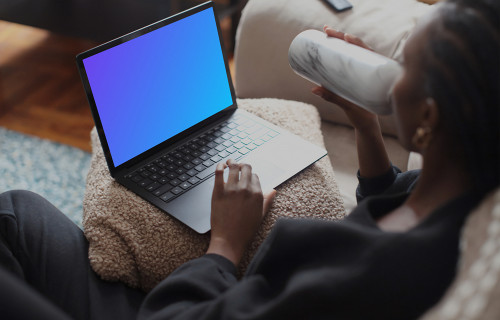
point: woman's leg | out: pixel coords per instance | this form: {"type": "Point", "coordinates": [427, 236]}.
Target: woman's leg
{"type": "Point", "coordinates": [46, 250]}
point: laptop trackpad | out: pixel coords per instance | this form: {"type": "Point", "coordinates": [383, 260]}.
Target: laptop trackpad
{"type": "Point", "coordinates": [270, 175]}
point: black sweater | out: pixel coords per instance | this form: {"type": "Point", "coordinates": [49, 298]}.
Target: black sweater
{"type": "Point", "coordinates": [309, 269]}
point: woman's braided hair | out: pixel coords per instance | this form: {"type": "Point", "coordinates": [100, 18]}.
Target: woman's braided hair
{"type": "Point", "coordinates": [462, 70]}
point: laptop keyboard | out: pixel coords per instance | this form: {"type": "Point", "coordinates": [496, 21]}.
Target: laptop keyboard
{"type": "Point", "coordinates": [176, 172]}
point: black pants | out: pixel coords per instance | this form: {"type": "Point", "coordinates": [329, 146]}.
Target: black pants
{"type": "Point", "coordinates": [45, 271]}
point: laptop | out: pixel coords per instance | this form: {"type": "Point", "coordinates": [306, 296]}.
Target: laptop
{"type": "Point", "coordinates": [165, 110]}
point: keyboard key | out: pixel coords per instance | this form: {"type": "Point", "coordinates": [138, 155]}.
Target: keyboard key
{"type": "Point", "coordinates": [167, 196]}
{"type": "Point", "coordinates": [163, 180]}
{"type": "Point", "coordinates": [226, 136]}
{"type": "Point", "coordinates": [204, 149]}
{"type": "Point", "coordinates": [196, 161]}
{"type": "Point", "coordinates": [242, 135]}
{"type": "Point", "coordinates": [231, 149]}
{"type": "Point", "coordinates": [144, 183]}
{"type": "Point", "coordinates": [200, 167]}
{"type": "Point", "coordinates": [154, 177]}
{"type": "Point", "coordinates": [212, 152]}
{"type": "Point", "coordinates": [185, 185]}
{"type": "Point", "coordinates": [266, 137]}
{"type": "Point", "coordinates": [225, 129]}
{"type": "Point", "coordinates": [146, 173]}
{"type": "Point", "coordinates": [137, 178]}
{"type": "Point", "coordinates": [246, 141]}
{"type": "Point", "coordinates": [227, 144]}
{"type": "Point", "coordinates": [235, 139]}
{"type": "Point", "coordinates": [175, 182]}
{"type": "Point", "coordinates": [179, 162]}
{"type": "Point", "coordinates": [205, 173]}
{"type": "Point", "coordinates": [161, 190]}
{"type": "Point", "coordinates": [251, 146]}
{"type": "Point", "coordinates": [153, 186]}
{"type": "Point", "coordinates": [208, 163]}
{"type": "Point", "coordinates": [205, 156]}
{"type": "Point", "coordinates": [171, 167]}
{"type": "Point", "coordinates": [176, 190]}
{"type": "Point", "coordinates": [219, 140]}
{"type": "Point", "coordinates": [259, 142]}
{"type": "Point", "coordinates": [183, 177]}
{"type": "Point", "coordinates": [216, 158]}
{"type": "Point", "coordinates": [192, 172]}
{"type": "Point", "coordinates": [220, 147]}
{"type": "Point", "coordinates": [253, 129]}
{"type": "Point", "coordinates": [273, 133]}
{"type": "Point", "coordinates": [188, 166]}
{"type": "Point", "coordinates": [180, 170]}
{"type": "Point", "coordinates": [223, 154]}
{"type": "Point", "coordinates": [172, 175]}
{"type": "Point", "coordinates": [211, 144]}
{"type": "Point", "coordinates": [244, 150]}
{"type": "Point", "coordinates": [154, 169]}
{"type": "Point", "coordinates": [193, 180]}
{"type": "Point", "coordinates": [239, 145]}
{"type": "Point", "coordinates": [257, 134]}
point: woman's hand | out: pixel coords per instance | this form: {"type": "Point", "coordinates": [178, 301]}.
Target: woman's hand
{"type": "Point", "coordinates": [238, 207]}
{"type": "Point", "coordinates": [360, 118]}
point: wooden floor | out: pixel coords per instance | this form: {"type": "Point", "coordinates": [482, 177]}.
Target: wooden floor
{"type": "Point", "coordinates": [40, 90]}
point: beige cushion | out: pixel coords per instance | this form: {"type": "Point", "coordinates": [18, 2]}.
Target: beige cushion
{"type": "Point", "coordinates": [475, 293]}
{"type": "Point", "coordinates": [132, 241]}
{"type": "Point", "coordinates": [267, 28]}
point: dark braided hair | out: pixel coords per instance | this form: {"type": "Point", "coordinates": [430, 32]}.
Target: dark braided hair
{"type": "Point", "coordinates": [462, 70]}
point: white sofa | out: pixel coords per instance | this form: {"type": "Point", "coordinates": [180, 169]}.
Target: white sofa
{"type": "Point", "coordinates": [265, 32]}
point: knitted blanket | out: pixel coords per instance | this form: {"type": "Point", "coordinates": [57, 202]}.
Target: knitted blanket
{"type": "Point", "coordinates": [132, 241]}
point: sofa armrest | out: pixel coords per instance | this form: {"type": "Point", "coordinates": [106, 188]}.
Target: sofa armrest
{"type": "Point", "coordinates": [267, 28]}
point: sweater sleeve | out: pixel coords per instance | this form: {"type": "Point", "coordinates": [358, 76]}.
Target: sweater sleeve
{"type": "Point", "coordinates": [191, 291]}
{"type": "Point", "coordinates": [392, 182]}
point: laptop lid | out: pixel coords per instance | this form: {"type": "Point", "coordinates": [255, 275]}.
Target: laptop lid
{"type": "Point", "coordinates": [157, 85]}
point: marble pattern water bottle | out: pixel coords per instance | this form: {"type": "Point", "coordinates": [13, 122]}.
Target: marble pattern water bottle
{"type": "Point", "coordinates": [354, 73]}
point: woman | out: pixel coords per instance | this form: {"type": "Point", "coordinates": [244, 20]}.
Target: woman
{"type": "Point", "coordinates": [392, 258]}
{"type": "Point", "coordinates": [395, 255]}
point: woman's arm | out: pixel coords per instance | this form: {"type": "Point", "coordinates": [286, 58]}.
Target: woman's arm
{"type": "Point", "coordinates": [372, 155]}
{"type": "Point", "coordinates": [199, 288]}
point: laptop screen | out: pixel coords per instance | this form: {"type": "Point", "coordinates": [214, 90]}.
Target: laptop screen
{"type": "Point", "coordinates": [159, 84]}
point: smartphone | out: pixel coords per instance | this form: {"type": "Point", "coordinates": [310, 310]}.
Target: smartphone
{"type": "Point", "coordinates": [339, 5]}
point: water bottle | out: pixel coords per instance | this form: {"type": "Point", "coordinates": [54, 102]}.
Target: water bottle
{"type": "Point", "coordinates": [358, 75]}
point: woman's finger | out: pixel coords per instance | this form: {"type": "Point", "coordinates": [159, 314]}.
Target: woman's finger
{"type": "Point", "coordinates": [234, 171]}
{"type": "Point", "coordinates": [246, 174]}
{"type": "Point", "coordinates": [219, 179]}
{"type": "Point", "coordinates": [356, 41]}
{"type": "Point", "coordinates": [333, 33]}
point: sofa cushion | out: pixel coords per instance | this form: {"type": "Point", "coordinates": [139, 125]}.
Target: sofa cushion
{"type": "Point", "coordinates": [267, 28]}
{"type": "Point", "coordinates": [475, 292]}
{"type": "Point", "coordinates": [134, 242]}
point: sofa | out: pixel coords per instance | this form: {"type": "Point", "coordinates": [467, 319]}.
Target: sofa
{"type": "Point", "coordinates": [264, 35]}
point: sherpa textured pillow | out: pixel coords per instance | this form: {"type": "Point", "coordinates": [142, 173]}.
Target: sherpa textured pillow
{"type": "Point", "coordinates": [134, 242]}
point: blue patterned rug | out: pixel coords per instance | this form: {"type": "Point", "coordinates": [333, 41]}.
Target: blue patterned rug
{"type": "Point", "coordinates": [53, 170]}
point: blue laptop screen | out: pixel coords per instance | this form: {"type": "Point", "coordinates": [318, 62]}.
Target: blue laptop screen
{"type": "Point", "coordinates": [155, 86]}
